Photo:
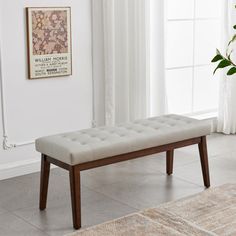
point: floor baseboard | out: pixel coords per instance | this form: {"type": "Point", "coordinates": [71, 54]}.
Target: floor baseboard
{"type": "Point", "coordinates": [19, 168]}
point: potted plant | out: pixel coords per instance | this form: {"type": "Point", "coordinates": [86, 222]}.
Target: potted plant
{"type": "Point", "coordinates": [226, 61]}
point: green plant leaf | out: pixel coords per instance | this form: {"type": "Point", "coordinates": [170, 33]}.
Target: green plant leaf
{"type": "Point", "coordinates": [218, 57]}
{"type": "Point", "coordinates": [232, 71]}
{"type": "Point", "coordinates": [234, 26]}
{"type": "Point", "coordinates": [232, 40]}
{"type": "Point", "coordinates": [224, 63]}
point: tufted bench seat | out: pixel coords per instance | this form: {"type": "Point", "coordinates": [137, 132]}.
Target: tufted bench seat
{"type": "Point", "coordinates": [90, 148]}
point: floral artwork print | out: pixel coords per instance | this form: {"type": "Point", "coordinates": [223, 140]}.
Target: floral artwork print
{"type": "Point", "coordinates": [49, 32]}
{"type": "Point", "coordinates": [49, 42]}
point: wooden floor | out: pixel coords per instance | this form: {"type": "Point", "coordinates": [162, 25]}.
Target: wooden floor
{"type": "Point", "coordinates": [112, 191]}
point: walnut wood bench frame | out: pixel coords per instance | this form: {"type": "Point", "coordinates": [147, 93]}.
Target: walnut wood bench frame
{"type": "Point", "coordinates": [74, 171]}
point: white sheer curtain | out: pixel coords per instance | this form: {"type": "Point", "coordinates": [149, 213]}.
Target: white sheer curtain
{"type": "Point", "coordinates": [126, 53]}
{"type": "Point", "coordinates": [128, 59]}
{"type": "Point", "coordinates": [227, 103]}
{"type": "Point", "coordinates": [158, 99]}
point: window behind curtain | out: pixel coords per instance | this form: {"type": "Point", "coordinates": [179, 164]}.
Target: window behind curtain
{"type": "Point", "coordinates": [193, 33]}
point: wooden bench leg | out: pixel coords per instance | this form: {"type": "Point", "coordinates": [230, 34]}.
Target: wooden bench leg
{"type": "Point", "coordinates": [44, 178]}
{"type": "Point", "coordinates": [204, 161]}
{"type": "Point", "coordinates": [169, 161]}
{"type": "Point", "coordinates": [75, 196]}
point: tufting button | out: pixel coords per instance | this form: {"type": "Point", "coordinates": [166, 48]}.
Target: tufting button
{"type": "Point", "coordinates": [74, 139]}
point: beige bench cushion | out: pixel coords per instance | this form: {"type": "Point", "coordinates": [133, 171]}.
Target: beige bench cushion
{"type": "Point", "coordinates": [97, 143]}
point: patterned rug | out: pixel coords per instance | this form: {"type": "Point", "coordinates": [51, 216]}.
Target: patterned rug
{"type": "Point", "coordinates": [212, 212]}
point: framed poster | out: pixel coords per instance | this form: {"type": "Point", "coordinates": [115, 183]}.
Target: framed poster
{"type": "Point", "coordinates": [49, 42]}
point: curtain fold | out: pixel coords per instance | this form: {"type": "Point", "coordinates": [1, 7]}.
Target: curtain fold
{"type": "Point", "coordinates": [109, 59]}
{"type": "Point", "coordinates": [158, 98]}
{"type": "Point", "coordinates": [126, 59]}
{"type": "Point", "coordinates": [227, 99]}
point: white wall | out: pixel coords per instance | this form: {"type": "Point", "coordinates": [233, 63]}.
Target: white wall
{"type": "Point", "coordinates": [42, 107]}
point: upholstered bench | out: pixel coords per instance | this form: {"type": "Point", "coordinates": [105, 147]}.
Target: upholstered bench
{"type": "Point", "coordinates": [90, 148]}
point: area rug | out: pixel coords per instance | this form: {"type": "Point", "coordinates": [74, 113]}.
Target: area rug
{"type": "Point", "coordinates": [212, 212]}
